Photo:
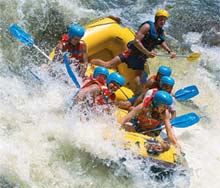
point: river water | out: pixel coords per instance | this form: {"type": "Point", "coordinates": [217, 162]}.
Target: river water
{"type": "Point", "coordinates": [45, 145]}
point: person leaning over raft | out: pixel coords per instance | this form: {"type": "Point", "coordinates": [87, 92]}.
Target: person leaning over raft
{"type": "Point", "coordinates": [77, 48]}
{"type": "Point", "coordinates": [149, 115]}
{"type": "Point", "coordinates": [101, 93]}
{"type": "Point", "coordinates": [166, 84]}
{"type": "Point", "coordinates": [149, 35]}
{"type": "Point", "coordinates": [152, 82]}
{"type": "Point", "coordinates": [99, 76]}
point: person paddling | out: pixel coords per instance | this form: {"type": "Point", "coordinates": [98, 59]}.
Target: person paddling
{"type": "Point", "coordinates": [149, 35]}
{"type": "Point", "coordinates": [101, 93]}
{"type": "Point", "coordinates": [152, 82]}
{"type": "Point", "coordinates": [166, 84]}
{"type": "Point", "coordinates": [149, 115]}
{"type": "Point", "coordinates": [76, 48]}
{"type": "Point", "coordinates": [99, 75]}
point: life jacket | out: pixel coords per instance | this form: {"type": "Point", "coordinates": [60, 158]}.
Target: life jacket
{"type": "Point", "coordinates": [150, 40]}
{"type": "Point", "coordinates": [105, 97]}
{"type": "Point", "coordinates": [148, 118]}
{"type": "Point", "coordinates": [153, 38]}
{"type": "Point", "coordinates": [75, 51]}
{"type": "Point", "coordinates": [148, 99]}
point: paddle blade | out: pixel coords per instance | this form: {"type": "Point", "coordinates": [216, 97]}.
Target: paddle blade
{"type": "Point", "coordinates": [186, 93]}
{"type": "Point", "coordinates": [193, 57]}
{"type": "Point", "coordinates": [70, 72]}
{"type": "Point", "coordinates": [21, 35]}
{"type": "Point", "coordinates": [186, 120]}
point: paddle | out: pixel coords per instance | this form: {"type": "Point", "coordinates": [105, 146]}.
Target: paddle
{"type": "Point", "coordinates": [25, 38]}
{"type": "Point", "coordinates": [182, 121]}
{"type": "Point", "coordinates": [35, 75]}
{"type": "Point", "coordinates": [186, 120]}
{"type": "Point", "coordinates": [186, 93]}
{"type": "Point", "coordinates": [70, 72]}
{"type": "Point", "coordinates": [191, 57]}
{"type": "Point", "coordinates": [74, 79]}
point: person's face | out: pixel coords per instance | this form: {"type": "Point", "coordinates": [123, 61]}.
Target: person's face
{"type": "Point", "coordinates": [161, 21]}
{"type": "Point", "coordinates": [161, 108]}
{"type": "Point", "coordinates": [159, 76]}
{"type": "Point", "coordinates": [102, 78]}
{"type": "Point", "coordinates": [167, 88]}
{"type": "Point", "coordinates": [113, 87]}
{"type": "Point", "coordinates": [75, 40]}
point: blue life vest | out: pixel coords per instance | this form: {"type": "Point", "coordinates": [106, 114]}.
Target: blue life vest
{"type": "Point", "coordinates": [152, 39]}
{"type": "Point", "coordinates": [133, 57]}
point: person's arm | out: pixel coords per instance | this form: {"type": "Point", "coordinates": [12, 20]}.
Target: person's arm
{"type": "Point", "coordinates": [165, 46]}
{"type": "Point", "coordinates": [58, 56]}
{"type": "Point", "coordinates": [173, 114]}
{"type": "Point", "coordinates": [139, 37]}
{"type": "Point", "coordinates": [149, 83]}
{"type": "Point", "coordinates": [170, 134]}
{"type": "Point", "coordinates": [146, 92]}
{"type": "Point", "coordinates": [172, 108]}
{"type": "Point", "coordinates": [140, 98]}
{"type": "Point", "coordinates": [92, 90]}
{"type": "Point", "coordinates": [123, 104]}
{"type": "Point", "coordinates": [59, 49]}
{"type": "Point", "coordinates": [84, 64]}
{"type": "Point", "coordinates": [131, 114]}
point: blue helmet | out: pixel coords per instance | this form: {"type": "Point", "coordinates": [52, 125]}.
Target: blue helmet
{"type": "Point", "coordinates": [116, 78]}
{"type": "Point", "coordinates": [167, 80]}
{"type": "Point", "coordinates": [164, 70]}
{"type": "Point", "coordinates": [76, 30]}
{"type": "Point", "coordinates": [100, 70]}
{"type": "Point", "coordinates": [162, 97]}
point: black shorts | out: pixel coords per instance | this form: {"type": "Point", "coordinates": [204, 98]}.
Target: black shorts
{"type": "Point", "coordinates": [133, 59]}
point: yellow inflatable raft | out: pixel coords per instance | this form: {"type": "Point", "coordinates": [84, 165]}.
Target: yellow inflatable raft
{"type": "Point", "coordinates": [105, 39]}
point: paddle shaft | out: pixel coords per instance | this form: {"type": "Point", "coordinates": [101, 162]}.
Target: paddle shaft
{"type": "Point", "coordinates": [42, 52]}
{"type": "Point", "coordinates": [70, 72]}
{"type": "Point", "coordinates": [156, 129]}
{"type": "Point", "coordinates": [35, 75]}
{"type": "Point", "coordinates": [166, 55]}
{"type": "Point", "coordinates": [190, 57]}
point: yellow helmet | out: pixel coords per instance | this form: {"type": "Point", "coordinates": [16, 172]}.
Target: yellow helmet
{"type": "Point", "coordinates": [162, 12]}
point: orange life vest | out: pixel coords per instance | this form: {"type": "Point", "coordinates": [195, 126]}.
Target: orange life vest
{"type": "Point", "coordinates": [148, 118]}
{"type": "Point", "coordinates": [75, 51]}
{"type": "Point", "coordinates": [105, 97]}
